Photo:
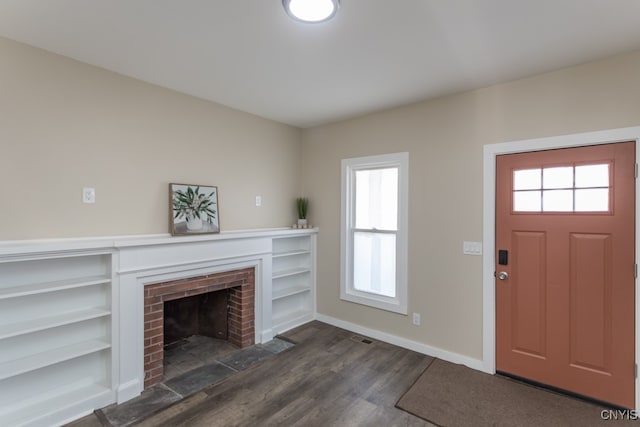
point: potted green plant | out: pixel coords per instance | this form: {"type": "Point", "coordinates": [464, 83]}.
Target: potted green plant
{"type": "Point", "coordinates": [302, 204]}
{"type": "Point", "coordinates": [193, 206]}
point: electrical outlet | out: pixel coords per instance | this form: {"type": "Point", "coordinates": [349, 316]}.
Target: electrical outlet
{"type": "Point", "coordinates": [258, 200]}
{"type": "Point", "coordinates": [88, 195]}
{"type": "Point", "coordinates": [416, 319]}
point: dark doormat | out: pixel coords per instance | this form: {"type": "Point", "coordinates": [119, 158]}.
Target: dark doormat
{"type": "Point", "coordinates": [447, 394]}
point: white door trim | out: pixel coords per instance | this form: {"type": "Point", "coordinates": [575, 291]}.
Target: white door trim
{"type": "Point", "coordinates": [489, 215]}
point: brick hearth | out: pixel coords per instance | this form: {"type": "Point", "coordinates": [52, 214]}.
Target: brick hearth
{"type": "Point", "coordinates": [241, 320]}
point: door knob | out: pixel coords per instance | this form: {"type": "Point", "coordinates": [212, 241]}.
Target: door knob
{"type": "Point", "coordinates": [503, 275]}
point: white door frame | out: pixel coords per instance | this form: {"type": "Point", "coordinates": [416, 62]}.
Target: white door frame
{"type": "Point", "coordinates": [489, 231]}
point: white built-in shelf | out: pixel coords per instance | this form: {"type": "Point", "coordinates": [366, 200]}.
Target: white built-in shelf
{"type": "Point", "coordinates": [293, 281]}
{"type": "Point", "coordinates": [40, 411]}
{"type": "Point", "coordinates": [42, 323]}
{"type": "Point", "coordinates": [290, 272]}
{"type": "Point", "coordinates": [287, 292]}
{"type": "Point", "coordinates": [290, 317]}
{"type": "Point", "coordinates": [39, 288]}
{"type": "Point", "coordinates": [290, 253]}
{"type": "Point", "coordinates": [40, 360]}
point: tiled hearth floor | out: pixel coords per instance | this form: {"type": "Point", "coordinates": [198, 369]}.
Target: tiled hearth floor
{"type": "Point", "coordinates": [189, 366]}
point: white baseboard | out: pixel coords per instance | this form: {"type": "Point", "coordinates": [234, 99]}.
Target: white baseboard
{"type": "Point", "coordinates": [449, 356]}
{"type": "Point", "coordinates": [265, 336]}
{"type": "Point", "coordinates": [128, 391]}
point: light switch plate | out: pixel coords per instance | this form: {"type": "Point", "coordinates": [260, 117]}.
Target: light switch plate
{"type": "Point", "coordinates": [88, 195]}
{"type": "Point", "coordinates": [472, 248]}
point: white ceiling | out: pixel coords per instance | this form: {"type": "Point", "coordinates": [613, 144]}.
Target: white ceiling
{"type": "Point", "coordinates": [376, 54]}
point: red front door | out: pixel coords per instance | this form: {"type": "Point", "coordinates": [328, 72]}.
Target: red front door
{"type": "Point", "coordinates": [565, 314]}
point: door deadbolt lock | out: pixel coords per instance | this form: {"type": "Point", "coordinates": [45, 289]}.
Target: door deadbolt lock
{"type": "Point", "coordinates": [503, 275]}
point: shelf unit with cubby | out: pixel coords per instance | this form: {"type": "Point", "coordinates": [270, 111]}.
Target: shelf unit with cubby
{"type": "Point", "coordinates": [56, 329]}
{"type": "Point", "coordinates": [293, 279]}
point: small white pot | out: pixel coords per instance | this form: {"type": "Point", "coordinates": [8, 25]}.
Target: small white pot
{"type": "Point", "coordinates": [302, 223]}
{"type": "Point", "coordinates": [194, 223]}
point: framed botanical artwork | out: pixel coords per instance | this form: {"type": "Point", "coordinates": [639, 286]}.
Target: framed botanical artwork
{"type": "Point", "coordinates": [193, 209]}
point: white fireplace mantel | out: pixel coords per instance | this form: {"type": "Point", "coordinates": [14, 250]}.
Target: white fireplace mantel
{"type": "Point", "coordinates": [126, 264]}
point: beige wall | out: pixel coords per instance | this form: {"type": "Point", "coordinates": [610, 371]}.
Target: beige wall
{"type": "Point", "coordinates": [65, 125]}
{"type": "Point", "coordinates": [445, 138]}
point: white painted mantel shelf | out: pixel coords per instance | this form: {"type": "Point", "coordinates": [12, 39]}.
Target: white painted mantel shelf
{"type": "Point", "coordinates": [71, 310]}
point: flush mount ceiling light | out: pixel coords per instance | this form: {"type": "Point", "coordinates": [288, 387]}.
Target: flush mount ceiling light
{"type": "Point", "coordinates": [311, 10]}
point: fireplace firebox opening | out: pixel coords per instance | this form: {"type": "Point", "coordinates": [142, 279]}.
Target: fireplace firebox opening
{"type": "Point", "coordinates": [173, 309]}
{"type": "Point", "coordinates": [204, 314]}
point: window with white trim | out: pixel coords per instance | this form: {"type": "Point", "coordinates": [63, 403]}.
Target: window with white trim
{"type": "Point", "coordinates": [374, 231]}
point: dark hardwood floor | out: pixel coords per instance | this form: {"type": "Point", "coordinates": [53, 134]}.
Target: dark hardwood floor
{"type": "Point", "coordinates": [329, 378]}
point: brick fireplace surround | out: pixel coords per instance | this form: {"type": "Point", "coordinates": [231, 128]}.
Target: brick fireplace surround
{"type": "Point", "coordinates": [241, 316]}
